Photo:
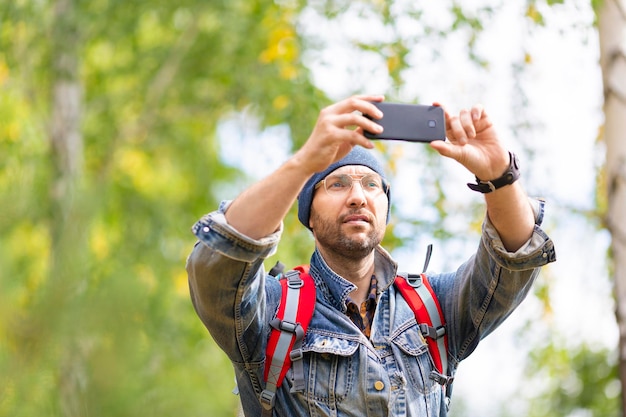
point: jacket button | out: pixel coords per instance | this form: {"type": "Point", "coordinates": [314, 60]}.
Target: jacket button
{"type": "Point", "coordinates": [379, 385]}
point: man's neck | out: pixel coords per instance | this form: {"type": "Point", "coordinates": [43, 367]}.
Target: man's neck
{"type": "Point", "coordinates": [357, 271]}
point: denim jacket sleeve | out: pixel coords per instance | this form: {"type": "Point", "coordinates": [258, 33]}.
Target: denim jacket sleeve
{"type": "Point", "coordinates": [486, 289]}
{"type": "Point", "coordinates": [227, 284]}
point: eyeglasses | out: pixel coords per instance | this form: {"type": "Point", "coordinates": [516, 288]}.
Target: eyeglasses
{"type": "Point", "coordinates": [342, 184]}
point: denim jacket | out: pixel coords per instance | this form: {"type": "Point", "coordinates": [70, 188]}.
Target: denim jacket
{"type": "Point", "coordinates": [345, 373]}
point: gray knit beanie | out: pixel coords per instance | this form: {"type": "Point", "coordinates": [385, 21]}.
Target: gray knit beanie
{"type": "Point", "coordinates": [357, 156]}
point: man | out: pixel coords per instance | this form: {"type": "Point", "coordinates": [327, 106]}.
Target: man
{"type": "Point", "coordinates": [363, 352]}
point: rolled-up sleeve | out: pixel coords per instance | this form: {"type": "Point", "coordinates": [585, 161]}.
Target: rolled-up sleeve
{"type": "Point", "coordinates": [536, 252]}
{"type": "Point", "coordinates": [227, 280]}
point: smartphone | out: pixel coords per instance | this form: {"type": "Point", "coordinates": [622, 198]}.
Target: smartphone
{"type": "Point", "coordinates": [410, 122]}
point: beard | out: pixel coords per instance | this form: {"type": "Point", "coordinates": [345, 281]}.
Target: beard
{"type": "Point", "coordinates": [330, 235]}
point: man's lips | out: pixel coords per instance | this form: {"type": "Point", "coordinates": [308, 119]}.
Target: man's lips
{"type": "Point", "coordinates": [356, 218]}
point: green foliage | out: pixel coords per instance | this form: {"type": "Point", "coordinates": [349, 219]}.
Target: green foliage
{"type": "Point", "coordinates": [101, 322]}
{"type": "Point", "coordinates": [573, 380]}
{"type": "Point", "coordinates": [596, 4]}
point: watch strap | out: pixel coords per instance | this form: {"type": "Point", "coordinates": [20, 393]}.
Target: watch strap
{"type": "Point", "coordinates": [511, 175]}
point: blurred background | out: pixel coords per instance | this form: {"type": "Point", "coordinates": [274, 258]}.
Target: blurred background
{"type": "Point", "coordinates": [123, 122]}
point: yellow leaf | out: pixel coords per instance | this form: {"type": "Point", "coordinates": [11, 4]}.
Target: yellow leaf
{"type": "Point", "coordinates": [392, 63]}
{"type": "Point", "coordinates": [181, 284]}
{"type": "Point", "coordinates": [528, 59]}
{"type": "Point", "coordinates": [99, 242]}
{"type": "Point", "coordinates": [4, 71]}
{"type": "Point", "coordinates": [24, 241]}
{"type": "Point", "coordinates": [534, 14]}
{"type": "Point", "coordinates": [288, 72]}
{"type": "Point", "coordinates": [136, 166]}
{"type": "Point", "coordinates": [280, 102]}
{"type": "Point", "coordinates": [281, 46]}
{"type": "Point", "coordinates": [11, 132]}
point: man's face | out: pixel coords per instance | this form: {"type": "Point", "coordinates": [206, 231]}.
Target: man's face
{"type": "Point", "coordinates": [349, 211]}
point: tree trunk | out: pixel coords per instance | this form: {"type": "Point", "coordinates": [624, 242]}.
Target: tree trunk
{"type": "Point", "coordinates": [65, 137]}
{"type": "Point", "coordinates": [612, 31]}
{"type": "Point", "coordinates": [67, 225]}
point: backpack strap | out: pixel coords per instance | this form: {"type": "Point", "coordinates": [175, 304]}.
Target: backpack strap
{"type": "Point", "coordinates": [420, 296]}
{"type": "Point", "coordinates": [288, 329]}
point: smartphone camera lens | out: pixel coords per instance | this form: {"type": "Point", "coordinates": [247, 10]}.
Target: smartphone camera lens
{"type": "Point", "coordinates": [432, 123]}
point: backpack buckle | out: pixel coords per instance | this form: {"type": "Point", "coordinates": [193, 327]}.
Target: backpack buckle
{"type": "Point", "coordinates": [293, 280]}
{"type": "Point", "coordinates": [414, 281]}
{"type": "Point", "coordinates": [432, 332]}
{"type": "Point", "coordinates": [441, 379]}
{"type": "Point", "coordinates": [267, 399]}
{"type": "Point", "coordinates": [289, 327]}
{"type": "Point", "coordinates": [296, 355]}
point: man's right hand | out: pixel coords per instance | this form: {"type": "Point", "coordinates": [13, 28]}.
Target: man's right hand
{"type": "Point", "coordinates": [260, 209]}
{"type": "Point", "coordinates": [332, 138]}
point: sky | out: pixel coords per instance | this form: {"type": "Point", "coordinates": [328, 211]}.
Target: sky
{"type": "Point", "coordinates": [563, 88]}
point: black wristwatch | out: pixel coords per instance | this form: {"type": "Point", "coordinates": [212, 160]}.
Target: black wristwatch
{"type": "Point", "coordinates": [511, 175]}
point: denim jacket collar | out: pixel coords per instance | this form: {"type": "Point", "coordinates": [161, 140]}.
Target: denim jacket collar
{"type": "Point", "coordinates": [335, 289]}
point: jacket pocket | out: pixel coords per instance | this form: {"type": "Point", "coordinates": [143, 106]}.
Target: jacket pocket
{"type": "Point", "coordinates": [331, 368]}
{"type": "Point", "coordinates": [415, 360]}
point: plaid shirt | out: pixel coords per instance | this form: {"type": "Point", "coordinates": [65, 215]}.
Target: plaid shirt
{"type": "Point", "coordinates": [362, 315]}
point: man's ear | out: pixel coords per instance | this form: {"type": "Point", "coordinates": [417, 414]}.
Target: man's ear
{"type": "Point", "coordinates": [311, 213]}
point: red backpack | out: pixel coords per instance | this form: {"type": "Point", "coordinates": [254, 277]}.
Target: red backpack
{"type": "Point", "coordinates": [295, 310]}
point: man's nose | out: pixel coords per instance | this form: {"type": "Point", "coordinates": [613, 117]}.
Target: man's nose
{"type": "Point", "coordinates": [356, 195]}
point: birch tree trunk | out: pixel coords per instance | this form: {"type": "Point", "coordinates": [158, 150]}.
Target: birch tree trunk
{"type": "Point", "coordinates": [67, 225]}
{"type": "Point", "coordinates": [612, 32]}
{"type": "Point", "coordinates": [65, 137]}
